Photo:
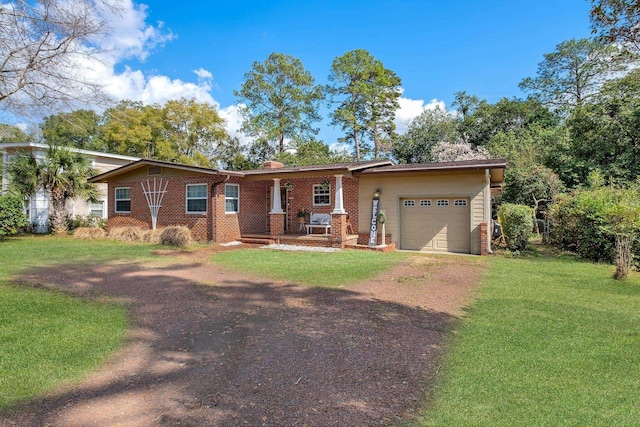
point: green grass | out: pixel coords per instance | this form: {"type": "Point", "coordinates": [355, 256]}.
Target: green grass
{"type": "Point", "coordinates": [549, 342]}
{"type": "Point", "coordinates": [47, 338]}
{"type": "Point", "coordinates": [323, 269]}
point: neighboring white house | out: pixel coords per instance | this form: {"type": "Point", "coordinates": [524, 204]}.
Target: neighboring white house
{"type": "Point", "coordinates": [37, 207]}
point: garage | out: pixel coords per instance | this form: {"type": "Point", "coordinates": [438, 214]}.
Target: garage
{"type": "Point", "coordinates": [439, 224]}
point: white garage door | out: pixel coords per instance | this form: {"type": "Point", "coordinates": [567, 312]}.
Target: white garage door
{"type": "Point", "coordinates": [435, 224]}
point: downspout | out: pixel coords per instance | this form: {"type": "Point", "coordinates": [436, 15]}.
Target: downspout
{"type": "Point", "coordinates": [487, 208]}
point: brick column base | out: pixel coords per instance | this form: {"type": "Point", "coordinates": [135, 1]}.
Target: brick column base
{"type": "Point", "coordinates": [484, 249]}
{"type": "Point", "coordinates": [338, 230]}
{"type": "Point", "coordinates": [276, 224]}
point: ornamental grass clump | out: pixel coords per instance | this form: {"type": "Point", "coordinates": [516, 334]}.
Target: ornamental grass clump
{"type": "Point", "coordinates": [127, 234]}
{"type": "Point", "coordinates": [89, 233]}
{"type": "Point", "coordinates": [175, 236]}
{"type": "Point", "coordinates": [152, 236]}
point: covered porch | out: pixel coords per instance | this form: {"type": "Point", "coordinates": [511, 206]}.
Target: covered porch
{"type": "Point", "coordinates": [322, 240]}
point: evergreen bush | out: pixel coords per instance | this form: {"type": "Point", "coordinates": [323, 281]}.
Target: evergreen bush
{"type": "Point", "coordinates": [12, 217]}
{"type": "Point", "coordinates": [517, 225]}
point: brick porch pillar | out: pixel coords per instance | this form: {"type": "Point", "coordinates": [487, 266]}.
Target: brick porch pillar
{"type": "Point", "coordinates": [484, 249]}
{"type": "Point", "coordinates": [276, 222]}
{"type": "Point", "coordinates": [338, 229]}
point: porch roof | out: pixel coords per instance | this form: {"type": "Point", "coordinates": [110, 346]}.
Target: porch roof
{"type": "Point", "coordinates": [314, 170]}
{"type": "Point", "coordinates": [104, 177]}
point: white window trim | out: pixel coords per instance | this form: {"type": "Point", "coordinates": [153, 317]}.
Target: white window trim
{"type": "Point", "coordinates": [115, 197]}
{"type": "Point", "coordinates": [231, 198]}
{"type": "Point", "coordinates": [102, 213]}
{"type": "Point", "coordinates": [313, 196]}
{"type": "Point", "coordinates": [187, 198]}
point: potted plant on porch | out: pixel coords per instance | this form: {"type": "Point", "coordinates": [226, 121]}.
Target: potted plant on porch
{"type": "Point", "coordinates": [302, 214]}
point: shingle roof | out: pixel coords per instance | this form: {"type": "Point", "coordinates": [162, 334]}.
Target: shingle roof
{"type": "Point", "coordinates": [417, 167]}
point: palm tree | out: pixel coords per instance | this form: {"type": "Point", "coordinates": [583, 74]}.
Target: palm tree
{"type": "Point", "coordinates": [61, 173]}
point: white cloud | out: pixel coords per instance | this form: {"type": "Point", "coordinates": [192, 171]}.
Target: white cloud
{"type": "Point", "coordinates": [203, 74]}
{"type": "Point", "coordinates": [130, 36]}
{"type": "Point", "coordinates": [412, 108]}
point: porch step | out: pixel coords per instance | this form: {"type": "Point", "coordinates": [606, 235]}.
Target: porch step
{"type": "Point", "coordinates": [257, 240]}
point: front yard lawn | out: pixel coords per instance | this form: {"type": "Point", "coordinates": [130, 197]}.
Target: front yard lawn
{"type": "Point", "coordinates": [324, 269]}
{"type": "Point", "coordinates": [46, 337]}
{"type": "Point", "coordinates": [550, 341]}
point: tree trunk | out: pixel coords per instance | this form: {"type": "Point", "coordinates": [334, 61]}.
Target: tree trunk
{"type": "Point", "coordinates": [58, 221]}
{"type": "Point", "coordinates": [623, 256]}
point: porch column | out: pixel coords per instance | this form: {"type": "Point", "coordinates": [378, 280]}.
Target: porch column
{"type": "Point", "coordinates": [339, 204]}
{"type": "Point", "coordinates": [276, 204]}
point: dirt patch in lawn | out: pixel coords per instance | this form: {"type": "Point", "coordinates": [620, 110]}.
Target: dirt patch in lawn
{"type": "Point", "coordinates": [214, 347]}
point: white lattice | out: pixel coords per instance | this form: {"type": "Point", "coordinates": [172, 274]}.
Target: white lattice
{"type": "Point", "coordinates": [154, 197]}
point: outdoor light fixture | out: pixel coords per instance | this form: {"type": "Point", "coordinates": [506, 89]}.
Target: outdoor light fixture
{"type": "Point", "coordinates": [377, 193]}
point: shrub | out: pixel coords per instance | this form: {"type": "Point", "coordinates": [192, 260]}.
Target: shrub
{"type": "Point", "coordinates": [600, 223]}
{"type": "Point", "coordinates": [87, 233]}
{"type": "Point", "coordinates": [151, 236]}
{"type": "Point", "coordinates": [127, 234]}
{"type": "Point", "coordinates": [578, 226]}
{"type": "Point", "coordinates": [85, 221]}
{"type": "Point", "coordinates": [175, 236]}
{"type": "Point", "coordinates": [517, 225]}
{"type": "Point", "coordinates": [12, 217]}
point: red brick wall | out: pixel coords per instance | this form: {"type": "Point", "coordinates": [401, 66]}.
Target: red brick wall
{"type": "Point", "coordinates": [254, 206]}
{"type": "Point", "coordinates": [219, 226]}
{"type": "Point", "coordinates": [301, 196]}
{"type": "Point", "coordinates": [173, 210]}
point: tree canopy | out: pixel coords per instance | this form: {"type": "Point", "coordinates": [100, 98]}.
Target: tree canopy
{"type": "Point", "coordinates": [282, 102]}
{"type": "Point", "coordinates": [574, 73]}
{"type": "Point", "coordinates": [367, 97]}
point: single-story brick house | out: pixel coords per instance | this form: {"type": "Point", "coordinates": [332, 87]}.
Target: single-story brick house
{"type": "Point", "coordinates": [441, 207]}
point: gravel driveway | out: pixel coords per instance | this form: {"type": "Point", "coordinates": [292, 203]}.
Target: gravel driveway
{"type": "Point", "coordinates": [213, 347]}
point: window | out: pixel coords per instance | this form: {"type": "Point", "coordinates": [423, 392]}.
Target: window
{"type": "Point", "coordinates": [123, 199]}
{"type": "Point", "coordinates": [425, 203]}
{"type": "Point", "coordinates": [231, 198]}
{"type": "Point", "coordinates": [460, 202]}
{"type": "Point", "coordinates": [196, 198]}
{"type": "Point", "coordinates": [321, 195]}
{"type": "Point", "coordinates": [442, 203]}
{"type": "Point", "coordinates": [409, 203]}
{"type": "Point", "coordinates": [96, 209]}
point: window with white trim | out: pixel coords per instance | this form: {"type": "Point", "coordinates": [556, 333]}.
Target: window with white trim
{"type": "Point", "coordinates": [443, 202]}
{"type": "Point", "coordinates": [123, 199]}
{"type": "Point", "coordinates": [409, 203]}
{"type": "Point", "coordinates": [231, 198]}
{"type": "Point", "coordinates": [197, 198]}
{"type": "Point", "coordinates": [96, 208]}
{"type": "Point", "coordinates": [425, 203]}
{"type": "Point", "coordinates": [321, 195]}
{"type": "Point", "coordinates": [460, 202]}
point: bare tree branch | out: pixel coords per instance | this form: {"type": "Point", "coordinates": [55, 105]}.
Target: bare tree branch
{"type": "Point", "coordinates": [44, 48]}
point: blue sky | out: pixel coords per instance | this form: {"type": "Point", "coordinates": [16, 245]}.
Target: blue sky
{"type": "Point", "coordinates": [203, 48]}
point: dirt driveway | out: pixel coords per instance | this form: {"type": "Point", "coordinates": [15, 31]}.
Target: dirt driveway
{"type": "Point", "coordinates": [213, 347]}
